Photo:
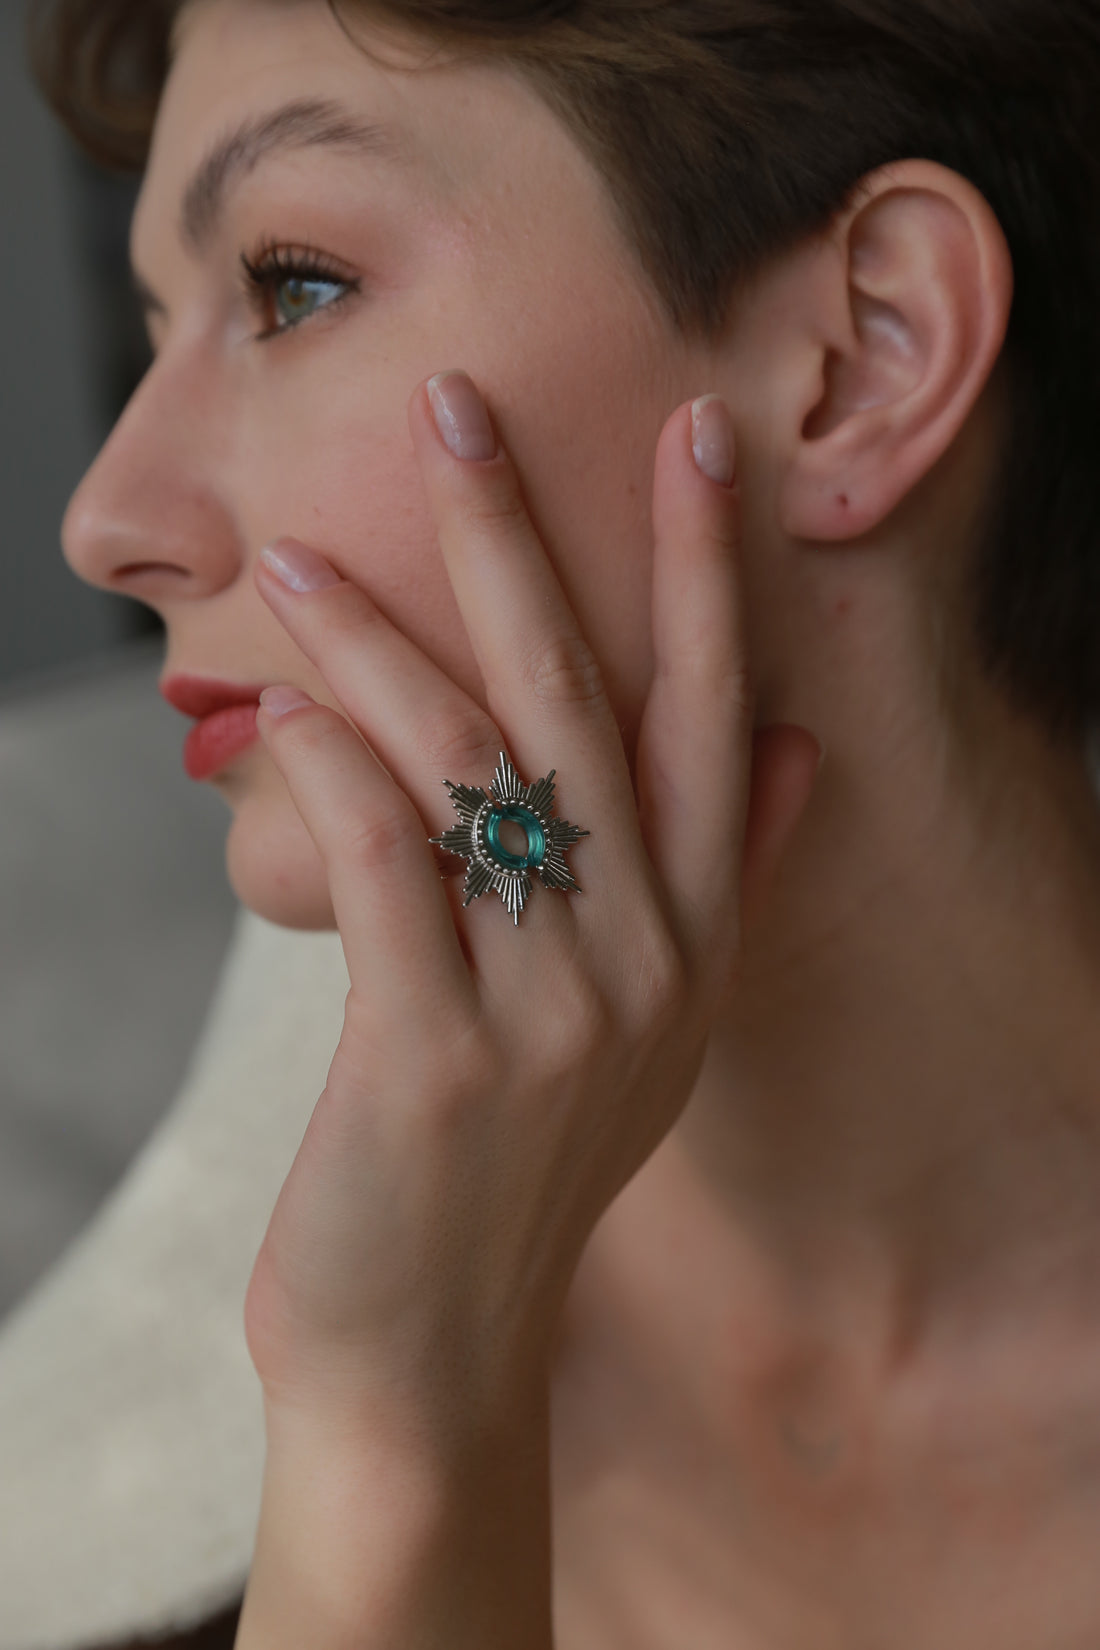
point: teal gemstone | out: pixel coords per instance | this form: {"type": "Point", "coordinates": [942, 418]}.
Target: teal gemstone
{"type": "Point", "coordinates": [536, 839]}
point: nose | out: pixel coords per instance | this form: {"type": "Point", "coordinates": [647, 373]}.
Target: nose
{"type": "Point", "coordinates": [151, 518]}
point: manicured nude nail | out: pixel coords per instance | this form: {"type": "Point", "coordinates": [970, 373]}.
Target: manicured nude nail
{"type": "Point", "coordinates": [712, 439]}
{"type": "Point", "coordinates": [298, 567]}
{"type": "Point", "coordinates": [279, 701]}
{"type": "Point", "coordinates": [461, 416]}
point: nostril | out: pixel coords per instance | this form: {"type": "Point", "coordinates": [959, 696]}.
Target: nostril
{"type": "Point", "coordinates": [135, 569]}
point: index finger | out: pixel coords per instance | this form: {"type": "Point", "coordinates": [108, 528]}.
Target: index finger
{"type": "Point", "coordinates": [544, 686]}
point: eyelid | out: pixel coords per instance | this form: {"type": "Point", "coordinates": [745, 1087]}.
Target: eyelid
{"type": "Point", "coordinates": [274, 262]}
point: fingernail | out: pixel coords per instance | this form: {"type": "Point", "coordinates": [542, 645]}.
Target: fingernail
{"type": "Point", "coordinates": [461, 416]}
{"type": "Point", "coordinates": [712, 439]}
{"type": "Point", "coordinates": [298, 567]}
{"type": "Point", "coordinates": [278, 701]}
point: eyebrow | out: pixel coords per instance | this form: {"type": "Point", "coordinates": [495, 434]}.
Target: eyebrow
{"type": "Point", "coordinates": [307, 123]}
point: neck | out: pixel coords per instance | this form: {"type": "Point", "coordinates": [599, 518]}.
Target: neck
{"type": "Point", "coordinates": [910, 1068]}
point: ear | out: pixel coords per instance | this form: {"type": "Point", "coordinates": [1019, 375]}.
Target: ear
{"type": "Point", "coordinates": [906, 320]}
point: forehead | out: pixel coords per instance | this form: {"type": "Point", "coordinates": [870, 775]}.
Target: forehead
{"type": "Point", "coordinates": [467, 137]}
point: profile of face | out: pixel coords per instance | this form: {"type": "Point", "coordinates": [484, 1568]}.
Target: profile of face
{"type": "Point", "coordinates": [467, 230]}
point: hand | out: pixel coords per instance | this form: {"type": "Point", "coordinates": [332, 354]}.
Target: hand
{"type": "Point", "coordinates": [493, 1090]}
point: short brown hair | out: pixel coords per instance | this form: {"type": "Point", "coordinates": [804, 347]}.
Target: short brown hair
{"type": "Point", "coordinates": [728, 130]}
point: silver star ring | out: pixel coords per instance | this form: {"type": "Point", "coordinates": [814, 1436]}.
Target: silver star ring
{"type": "Point", "coordinates": [477, 838]}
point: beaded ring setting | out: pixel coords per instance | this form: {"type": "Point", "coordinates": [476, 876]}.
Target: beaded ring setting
{"type": "Point", "coordinates": [477, 838]}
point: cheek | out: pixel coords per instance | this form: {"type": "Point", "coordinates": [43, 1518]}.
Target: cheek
{"type": "Point", "coordinates": [585, 449]}
{"type": "Point", "coordinates": [272, 864]}
{"type": "Point", "coordinates": [580, 380]}
{"type": "Point", "coordinates": [330, 461]}
{"type": "Point", "coordinates": [583, 377]}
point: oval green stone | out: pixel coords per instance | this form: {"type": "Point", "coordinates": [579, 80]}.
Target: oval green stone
{"type": "Point", "coordinates": [536, 839]}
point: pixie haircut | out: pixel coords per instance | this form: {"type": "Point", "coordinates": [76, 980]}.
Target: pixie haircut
{"type": "Point", "coordinates": [728, 131]}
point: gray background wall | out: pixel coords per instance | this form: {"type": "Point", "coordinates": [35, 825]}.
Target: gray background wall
{"type": "Point", "coordinates": [114, 906]}
{"type": "Point", "coordinates": [53, 412]}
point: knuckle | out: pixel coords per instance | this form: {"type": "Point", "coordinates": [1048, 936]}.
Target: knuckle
{"type": "Point", "coordinates": [326, 727]}
{"type": "Point", "coordinates": [727, 683]}
{"type": "Point", "coordinates": [474, 1059]}
{"type": "Point", "coordinates": [351, 605]}
{"type": "Point", "coordinates": [456, 744]}
{"type": "Point", "coordinates": [594, 1024]}
{"type": "Point", "coordinates": [662, 986]}
{"type": "Point", "coordinates": [378, 842]}
{"type": "Point", "coordinates": [348, 614]}
{"type": "Point", "coordinates": [322, 734]}
{"type": "Point", "coordinates": [465, 1071]}
{"type": "Point", "coordinates": [715, 678]}
{"type": "Point", "coordinates": [493, 508]}
{"type": "Point", "coordinates": [576, 1026]}
{"type": "Point", "coordinates": [562, 670]}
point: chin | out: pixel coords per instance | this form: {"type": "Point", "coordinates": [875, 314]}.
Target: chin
{"type": "Point", "coordinates": [274, 868]}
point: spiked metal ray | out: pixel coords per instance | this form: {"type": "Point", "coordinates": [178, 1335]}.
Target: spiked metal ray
{"type": "Point", "coordinates": [477, 838]}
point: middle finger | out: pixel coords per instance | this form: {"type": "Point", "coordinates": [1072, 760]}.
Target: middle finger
{"type": "Point", "coordinates": [543, 684]}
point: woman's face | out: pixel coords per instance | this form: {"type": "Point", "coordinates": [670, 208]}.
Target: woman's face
{"type": "Point", "coordinates": [472, 233]}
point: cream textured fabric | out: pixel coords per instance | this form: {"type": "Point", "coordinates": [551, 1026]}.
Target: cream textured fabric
{"type": "Point", "coordinates": [131, 1425]}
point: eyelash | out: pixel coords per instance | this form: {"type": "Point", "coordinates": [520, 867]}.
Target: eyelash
{"type": "Point", "coordinates": [273, 264]}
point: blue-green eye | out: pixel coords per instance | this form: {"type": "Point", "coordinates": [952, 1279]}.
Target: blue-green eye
{"type": "Point", "coordinates": [297, 298]}
{"type": "Point", "coordinates": [289, 285]}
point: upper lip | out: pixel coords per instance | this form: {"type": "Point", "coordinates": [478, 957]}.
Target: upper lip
{"type": "Point", "coordinates": [201, 695]}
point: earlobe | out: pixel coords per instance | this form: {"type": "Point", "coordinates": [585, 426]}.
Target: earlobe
{"type": "Point", "coordinates": [927, 295]}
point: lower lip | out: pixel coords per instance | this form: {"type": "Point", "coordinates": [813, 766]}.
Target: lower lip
{"type": "Point", "coordinates": [217, 739]}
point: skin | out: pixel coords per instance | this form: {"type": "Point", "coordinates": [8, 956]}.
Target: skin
{"type": "Point", "coordinates": [837, 1339]}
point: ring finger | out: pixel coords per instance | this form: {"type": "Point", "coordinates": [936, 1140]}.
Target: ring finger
{"type": "Point", "coordinates": [421, 726]}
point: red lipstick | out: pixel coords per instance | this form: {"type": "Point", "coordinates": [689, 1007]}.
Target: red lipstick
{"type": "Point", "coordinates": [225, 724]}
